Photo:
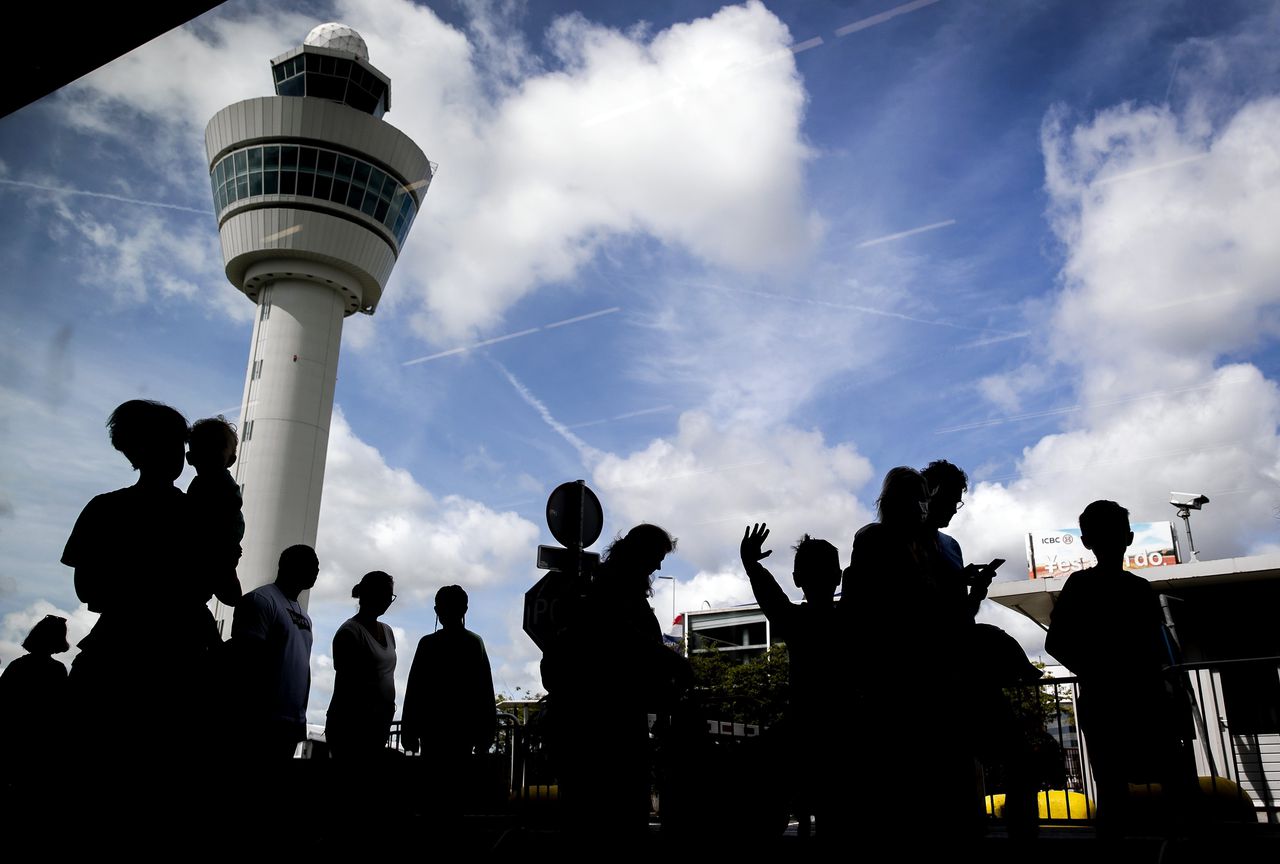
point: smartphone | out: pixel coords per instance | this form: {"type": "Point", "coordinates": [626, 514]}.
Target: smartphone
{"type": "Point", "coordinates": [971, 571]}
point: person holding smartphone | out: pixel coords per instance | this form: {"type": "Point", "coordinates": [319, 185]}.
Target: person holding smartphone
{"type": "Point", "coordinates": [967, 584]}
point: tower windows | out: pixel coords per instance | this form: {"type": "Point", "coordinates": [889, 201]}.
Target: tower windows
{"type": "Point", "coordinates": [338, 79]}
{"type": "Point", "coordinates": [326, 160]}
{"type": "Point", "coordinates": [314, 172]}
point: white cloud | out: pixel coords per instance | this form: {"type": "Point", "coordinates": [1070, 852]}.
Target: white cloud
{"type": "Point", "coordinates": [721, 588]}
{"type": "Point", "coordinates": [181, 79]}
{"type": "Point", "coordinates": [663, 136]}
{"type": "Point", "coordinates": [1169, 231]}
{"type": "Point", "coordinates": [375, 517]}
{"type": "Point", "coordinates": [1220, 441]}
{"type": "Point", "coordinates": [517, 660]}
{"type": "Point", "coordinates": [1007, 389]}
{"type": "Point", "coordinates": [691, 136]}
{"type": "Point", "coordinates": [1170, 264]}
{"type": "Point", "coordinates": [707, 481]}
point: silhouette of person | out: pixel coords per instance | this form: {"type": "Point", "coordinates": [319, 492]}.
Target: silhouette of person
{"type": "Point", "coordinates": [33, 693]}
{"type": "Point", "coordinates": [215, 500]}
{"type": "Point", "coordinates": [947, 485]}
{"type": "Point", "coordinates": [809, 630]}
{"type": "Point", "coordinates": [449, 702]}
{"type": "Point", "coordinates": [987, 659]}
{"type": "Point", "coordinates": [364, 664]}
{"type": "Point", "coordinates": [1008, 724]}
{"type": "Point", "coordinates": [132, 551]}
{"type": "Point", "coordinates": [271, 640]}
{"type": "Point", "coordinates": [893, 563]}
{"type": "Point", "coordinates": [903, 626]}
{"type": "Point", "coordinates": [604, 765]}
{"type": "Point", "coordinates": [1106, 627]}
{"type": "Point", "coordinates": [449, 708]}
{"type": "Point", "coordinates": [33, 704]}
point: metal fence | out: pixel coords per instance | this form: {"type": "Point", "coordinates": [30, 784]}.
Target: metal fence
{"type": "Point", "coordinates": [1235, 743]}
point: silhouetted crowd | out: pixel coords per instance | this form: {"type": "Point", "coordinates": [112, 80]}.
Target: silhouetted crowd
{"type": "Point", "coordinates": [922, 691]}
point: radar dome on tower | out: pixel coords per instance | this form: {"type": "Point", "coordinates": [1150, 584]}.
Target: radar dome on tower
{"type": "Point", "coordinates": [339, 37]}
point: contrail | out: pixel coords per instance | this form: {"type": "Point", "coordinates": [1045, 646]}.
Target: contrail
{"type": "Point", "coordinates": [590, 454]}
{"type": "Point", "coordinates": [62, 190]}
{"type": "Point", "coordinates": [1137, 172]}
{"type": "Point", "coordinates": [864, 23]}
{"type": "Point", "coordinates": [496, 339]}
{"type": "Point", "coordinates": [888, 238]}
{"type": "Point", "coordinates": [586, 317]}
{"type": "Point", "coordinates": [584, 450]}
{"type": "Point", "coordinates": [642, 412]}
{"type": "Point", "coordinates": [993, 340]}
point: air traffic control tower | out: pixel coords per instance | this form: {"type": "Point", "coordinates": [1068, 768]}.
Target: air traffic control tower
{"type": "Point", "coordinates": [315, 195]}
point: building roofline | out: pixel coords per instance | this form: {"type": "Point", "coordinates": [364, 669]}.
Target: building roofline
{"type": "Point", "coordinates": [1035, 597]}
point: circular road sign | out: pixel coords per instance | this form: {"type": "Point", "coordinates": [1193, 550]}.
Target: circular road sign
{"type": "Point", "coordinates": [574, 515]}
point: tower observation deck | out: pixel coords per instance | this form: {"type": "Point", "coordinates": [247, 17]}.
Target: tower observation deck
{"type": "Point", "coordinates": [315, 195]}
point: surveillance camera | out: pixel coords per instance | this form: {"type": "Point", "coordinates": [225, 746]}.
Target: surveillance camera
{"type": "Point", "coordinates": [1192, 500]}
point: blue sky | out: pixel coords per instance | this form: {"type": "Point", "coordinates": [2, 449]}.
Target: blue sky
{"type": "Point", "coordinates": [811, 242]}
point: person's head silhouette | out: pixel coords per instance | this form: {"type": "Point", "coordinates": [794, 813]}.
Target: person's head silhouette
{"type": "Point", "coordinates": [630, 561]}
{"type": "Point", "coordinates": [48, 637]}
{"type": "Point", "coordinates": [816, 569]}
{"type": "Point", "coordinates": [297, 571]}
{"type": "Point", "coordinates": [212, 445]}
{"type": "Point", "coordinates": [904, 499]}
{"type": "Point", "coordinates": [947, 485]}
{"type": "Point", "coordinates": [1105, 531]}
{"type": "Point", "coordinates": [375, 591]}
{"type": "Point", "coordinates": [451, 606]}
{"type": "Point", "coordinates": [152, 436]}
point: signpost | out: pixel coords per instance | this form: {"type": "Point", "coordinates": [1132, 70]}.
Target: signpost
{"type": "Point", "coordinates": [576, 519]}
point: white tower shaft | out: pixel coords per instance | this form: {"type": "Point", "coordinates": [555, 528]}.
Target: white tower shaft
{"type": "Point", "coordinates": [288, 402]}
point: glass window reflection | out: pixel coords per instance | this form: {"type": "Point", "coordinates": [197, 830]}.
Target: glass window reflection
{"type": "Point", "coordinates": [314, 172]}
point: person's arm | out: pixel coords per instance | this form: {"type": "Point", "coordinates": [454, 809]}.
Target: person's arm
{"type": "Point", "coordinates": [858, 582]}
{"type": "Point", "coordinates": [348, 653]}
{"type": "Point", "coordinates": [226, 586]}
{"type": "Point", "coordinates": [1063, 638]}
{"type": "Point", "coordinates": [250, 632]}
{"type": "Point", "coordinates": [487, 721]}
{"type": "Point", "coordinates": [417, 688]}
{"type": "Point", "coordinates": [773, 601]}
{"type": "Point", "coordinates": [84, 554]}
{"type": "Point", "coordinates": [979, 578]}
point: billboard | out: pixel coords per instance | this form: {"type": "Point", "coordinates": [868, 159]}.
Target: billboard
{"type": "Point", "coordinates": [1060, 553]}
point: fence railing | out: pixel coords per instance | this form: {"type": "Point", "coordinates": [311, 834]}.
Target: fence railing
{"type": "Point", "coordinates": [1234, 728]}
{"type": "Point", "coordinates": [1235, 743]}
